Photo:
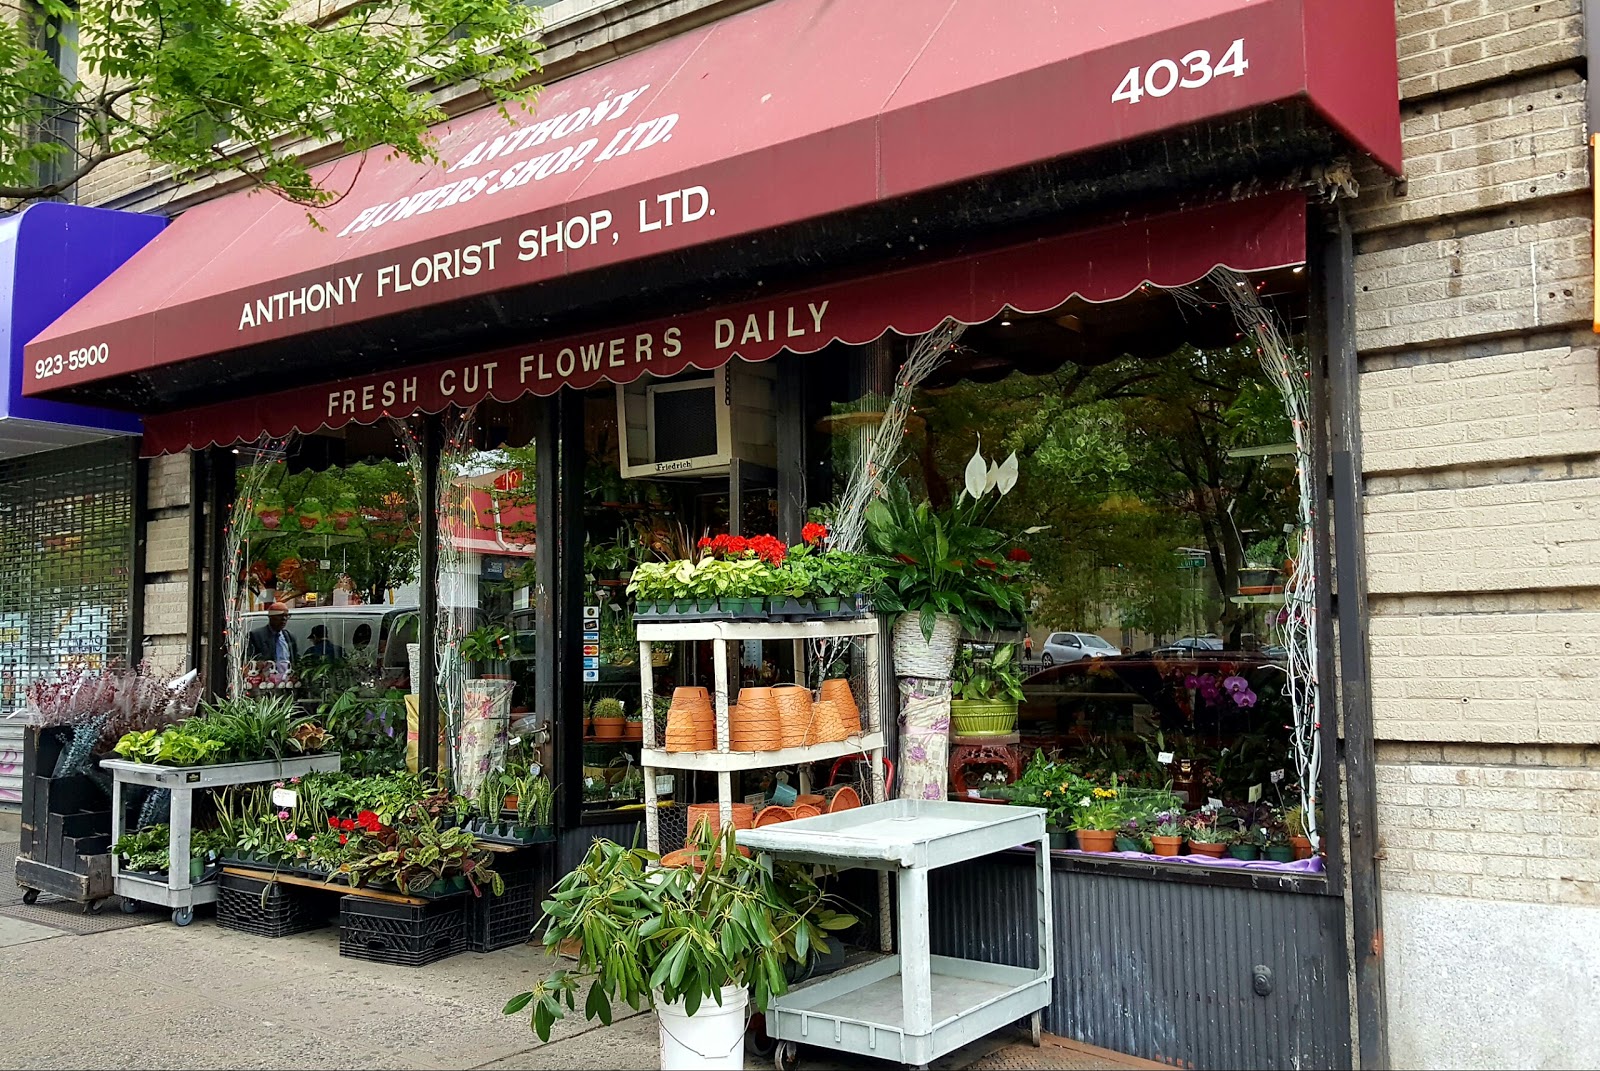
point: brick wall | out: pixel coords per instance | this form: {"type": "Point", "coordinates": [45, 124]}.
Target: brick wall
{"type": "Point", "coordinates": [165, 625]}
{"type": "Point", "coordinates": [1480, 417]}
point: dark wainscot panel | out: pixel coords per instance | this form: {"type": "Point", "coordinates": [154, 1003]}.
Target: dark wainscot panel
{"type": "Point", "coordinates": [1182, 971]}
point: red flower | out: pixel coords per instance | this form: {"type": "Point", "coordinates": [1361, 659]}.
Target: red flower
{"type": "Point", "coordinates": [369, 822]}
{"type": "Point", "coordinates": [705, 541]}
{"type": "Point", "coordinates": [343, 838]}
{"type": "Point", "coordinates": [738, 545]}
{"type": "Point", "coordinates": [987, 563]}
{"type": "Point", "coordinates": [814, 533]}
{"type": "Point", "coordinates": [348, 824]}
{"type": "Point", "coordinates": [1017, 554]}
{"type": "Point", "coordinates": [333, 823]}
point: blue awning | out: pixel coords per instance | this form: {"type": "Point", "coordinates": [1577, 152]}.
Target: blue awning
{"type": "Point", "coordinates": [50, 256]}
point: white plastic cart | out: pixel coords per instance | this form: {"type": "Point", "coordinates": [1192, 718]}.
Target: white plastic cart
{"type": "Point", "coordinates": [177, 892]}
{"type": "Point", "coordinates": [910, 1007]}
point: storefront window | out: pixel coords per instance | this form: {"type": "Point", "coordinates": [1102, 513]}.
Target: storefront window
{"type": "Point", "coordinates": [325, 597]}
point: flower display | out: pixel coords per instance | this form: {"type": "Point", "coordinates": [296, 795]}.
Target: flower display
{"type": "Point", "coordinates": [813, 533]}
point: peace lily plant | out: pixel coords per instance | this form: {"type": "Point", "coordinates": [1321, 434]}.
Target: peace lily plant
{"type": "Point", "coordinates": [950, 561]}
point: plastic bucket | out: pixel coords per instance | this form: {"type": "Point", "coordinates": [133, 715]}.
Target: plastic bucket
{"type": "Point", "coordinates": [713, 1037]}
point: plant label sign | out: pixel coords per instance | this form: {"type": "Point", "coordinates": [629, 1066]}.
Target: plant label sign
{"type": "Point", "coordinates": [1165, 758]}
{"type": "Point", "coordinates": [1255, 793]}
{"type": "Point", "coordinates": [284, 797]}
{"type": "Point", "coordinates": [1213, 804]}
{"type": "Point", "coordinates": [1277, 775]}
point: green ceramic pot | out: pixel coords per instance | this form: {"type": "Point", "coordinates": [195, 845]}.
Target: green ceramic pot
{"type": "Point", "coordinates": [1244, 851]}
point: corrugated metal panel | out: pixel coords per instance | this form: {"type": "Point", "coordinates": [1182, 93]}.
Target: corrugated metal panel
{"type": "Point", "coordinates": [574, 843]}
{"type": "Point", "coordinates": [1164, 970]}
{"type": "Point", "coordinates": [11, 730]}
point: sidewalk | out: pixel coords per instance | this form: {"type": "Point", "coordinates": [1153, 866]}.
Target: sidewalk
{"type": "Point", "coordinates": [134, 991]}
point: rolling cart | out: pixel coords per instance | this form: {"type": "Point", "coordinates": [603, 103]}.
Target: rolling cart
{"type": "Point", "coordinates": [910, 1007]}
{"type": "Point", "coordinates": [177, 892]}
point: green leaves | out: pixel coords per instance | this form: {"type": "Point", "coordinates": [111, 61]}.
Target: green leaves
{"type": "Point", "coordinates": [208, 86]}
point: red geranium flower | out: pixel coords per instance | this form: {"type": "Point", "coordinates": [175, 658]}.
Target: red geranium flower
{"type": "Point", "coordinates": [369, 822]}
{"type": "Point", "coordinates": [705, 541]}
{"type": "Point", "coordinates": [333, 823]}
{"type": "Point", "coordinates": [343, 838]}
{"type": "Point", "coordinates": [1017, 554]}
{"type": "Point", "coordinates": [348, 824]}
{"type": "Point", "coordinates": [814, 533]}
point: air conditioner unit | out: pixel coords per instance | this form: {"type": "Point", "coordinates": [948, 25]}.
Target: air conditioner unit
{"type": "Point", "coordinates": [695, 423]}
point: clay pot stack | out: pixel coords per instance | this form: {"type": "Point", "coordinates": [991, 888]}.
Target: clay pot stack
{"type": "Point", "coordinates": [757, 725]}
{"type": "Point", "coordinates": [826, 725]}
{"type": "Point", "coordinates": [744, 816]}
{"type": "Point", "coordinates": [794, 712]}
{"type": "Point", "coordinates": [691, 723]}
{"type": "Point", "coordinates": [837, 690]}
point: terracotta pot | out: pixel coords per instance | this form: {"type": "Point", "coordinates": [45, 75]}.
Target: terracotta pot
{"type": "Point", "coordinates": [1213, 850]}
{"type": "Point", "coordinates": [633, 730]}
{"type": "Point", "coordinates": [837, 690]}
{"type": "Point", "coordinates": [1167, 845]}
{"type": "Point", "coordinates": [1096, 840]}
{"type": "Point", "coordinates": [743, 816]}
{"type": "Point", "coordinates": [610, 728]}
{"type": "Point", "coordinates": [794, 713]}
{"type": "Point", "coordinates": [1302, 847]}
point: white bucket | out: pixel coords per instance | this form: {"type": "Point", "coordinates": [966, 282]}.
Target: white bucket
{"type": "Point", "coordinates": [713, 1037]}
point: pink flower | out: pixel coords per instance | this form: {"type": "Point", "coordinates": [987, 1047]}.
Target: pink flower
{"type": "Point", "coordinates": [283, 816]}
{"type": "Point", "coordinates": [292, 835]}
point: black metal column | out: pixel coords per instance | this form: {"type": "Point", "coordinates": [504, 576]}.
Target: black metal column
{"type": "Point", "coordinates": [196, 616]}
{"type": "Point", "coordinates": [432, 441]}
{"type": "Point", "coordinates": [140, 507]}
{"type": "Point", "coordinates": [1336, 291]}
{"type": "Point", "coordinates": [791, 449]}
{"type": "Point", "coordinates": [560, 565]}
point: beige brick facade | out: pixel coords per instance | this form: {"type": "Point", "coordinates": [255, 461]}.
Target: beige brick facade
{"type": "Point", "coordinates": [1480, 417]}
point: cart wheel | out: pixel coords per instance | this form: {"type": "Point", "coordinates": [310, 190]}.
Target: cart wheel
{"type": "Point", "coordinates": [30, 896]}
{"type": "Point", "coordinates": [94, 907]}
{"type": "Point", "coordinates": [756, 1041]}
{"type": "Point", "coordinates": [130, 907]}
{"type": "Point", "coordinates": [183, 916]}
{"type": "Point", "coordinates": [1035, 1027]}
{"type": "Point", "coordinates": [786, 1057]}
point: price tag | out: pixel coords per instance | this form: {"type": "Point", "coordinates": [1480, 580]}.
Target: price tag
{"type": "Point", "coordinates": [664, 783]}
{"type": "Point", "coordinates": [1213, 804]}
{"type": "Point", "coordinates": [1255, 793]}
{"type": "Point", "coordinates": [1165, 758]}
{"type": "Point", "coordinates": [1277, 775]}
{"type": "Point", "coordinates": [284, 797]}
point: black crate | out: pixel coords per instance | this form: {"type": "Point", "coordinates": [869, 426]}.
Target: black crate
{"type": "Point", "coordinates": [405, 935]}
{"type": "Point", "coordinates": [269, 908]}
{"type": "Point", "coordinates": [495, 922]}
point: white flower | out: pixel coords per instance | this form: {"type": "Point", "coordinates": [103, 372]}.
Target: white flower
{"type": "Point", "coordinates": [977, 473]}
{"type": "Point", "coordinates": [1007, 478]}
{"type": "Point", "coordinates": [1084, 802]}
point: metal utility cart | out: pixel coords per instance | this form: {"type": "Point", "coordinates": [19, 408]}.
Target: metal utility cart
{"type": "Point", "coordinates": [910, 1007]}
{"type": "Point", "coordinates": [183, 782]}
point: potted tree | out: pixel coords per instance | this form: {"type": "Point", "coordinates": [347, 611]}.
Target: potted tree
{"type": "Point", "coordinates": [696, 943]}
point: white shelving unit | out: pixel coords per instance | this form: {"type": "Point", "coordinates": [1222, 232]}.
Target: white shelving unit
{"type": "Point", "coordinates": [723, 761]}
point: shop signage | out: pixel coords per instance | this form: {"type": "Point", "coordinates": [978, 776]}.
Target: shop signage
{"type": "Point", "coordinates": [716, 133]}
{"type": "Point", "coordinates": [1101, 264]}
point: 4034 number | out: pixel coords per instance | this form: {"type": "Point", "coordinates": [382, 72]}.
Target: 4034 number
{"type": "Point", "coordinates": [1191, 72]}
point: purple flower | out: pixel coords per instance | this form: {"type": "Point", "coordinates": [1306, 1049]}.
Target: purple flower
{"type": "Point", "coordinates": [1236, 684]}
{"type": "Point", "coordinates": [931, 792]}
{"type": "Point", "coordinates": [917, 753]}
{"type": "Point", "coordinates": [1246, 700]}
{"type": "Point", "coordinates": [1191, 681]}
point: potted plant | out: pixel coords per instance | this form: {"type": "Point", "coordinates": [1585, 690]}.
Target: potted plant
{"type": "Point", "coordinates": [1167, 837]}
{"type": "Point", "coordinates": [538, 788]}
{"type": "Point", "coordinates": [418, 856]}
{"type": "Point", "coordinates": [1275, 841]}
{"type": "Point", "coordinates": [985, 692]}
{"type": "Point", "coordinates": [1097, 821]}
{"type": "Point", "coordinates": [1259, 576]}
{"type": "Point", "coordinates": [633, 726]}
{"type": "Point", "coordinates": [487, 647]}
{"type": "Point", "coordinates": [695, 942]}
{"type": "Point", "coordinates": [1131, 836]}
{"type": "Point", "coordinates": [945, 569]}
{"type": "Point", "coordinates": [1206, 835]}
{"type": "Point", "coordinates": [608, 718]}
{"type": "Point", "coordinates": [1247, 842]}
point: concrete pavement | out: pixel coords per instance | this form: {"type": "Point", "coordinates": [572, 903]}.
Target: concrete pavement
{"type": "Point", "coordinates": [160, 996]}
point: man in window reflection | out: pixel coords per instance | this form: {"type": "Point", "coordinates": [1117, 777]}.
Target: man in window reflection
{"type": "Point", "coordinates": [322, 646]}
{"type": "Point", "coordinates": [272, 642]}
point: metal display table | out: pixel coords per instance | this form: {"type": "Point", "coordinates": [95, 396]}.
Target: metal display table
{"type": "Point", "coordinates": [911, 1007]}
{"type": "Point", "coordinates": [177, 892]}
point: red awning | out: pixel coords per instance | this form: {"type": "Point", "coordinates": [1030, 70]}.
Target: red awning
{"type": "Point", "coordinates": [790, 111]}
{"type": "Point", "coordinates": [1102, 264]}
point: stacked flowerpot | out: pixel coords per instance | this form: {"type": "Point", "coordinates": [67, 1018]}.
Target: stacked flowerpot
{"type": "Point", "coordinates": [691, 723]}
{"type": "Point", "coordinates": [755, 724]}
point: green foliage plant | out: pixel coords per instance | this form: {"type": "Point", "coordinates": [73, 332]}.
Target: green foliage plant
{"type": "Point", "coordinates": [678, 934]}
{"type": "Point", "coordinates": [995, 677]}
